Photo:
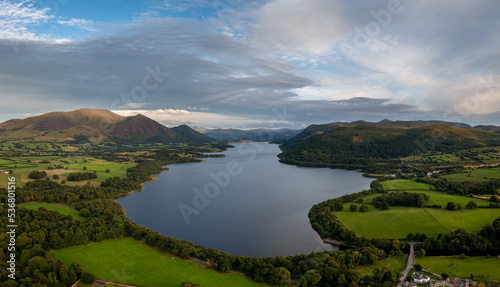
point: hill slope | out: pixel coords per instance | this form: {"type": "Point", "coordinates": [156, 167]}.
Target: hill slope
{"type": "Point", "coordinates": [96, 126]}
{"type": "Point", "coordinates": [316, 130]}
{"type": "Point", "coordinates": [356, 146]}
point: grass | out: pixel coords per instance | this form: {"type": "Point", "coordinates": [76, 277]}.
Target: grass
{"type": "Point", "coordinates": [75, 164]}
{"type": "Point", "coordinates": [128, 261]}
{"type": "Point", "coordinates": [439, 198]}
{"type": "Point", "coordinates": [397, 263]}
{"type": "Point", "coordinates": [478, 175]}
{"type": "Point", "coordinates": [61, 209]}
{"type": "Point", "coordinates": [404, 184]}
{"type": "Point", "coordinates": [398, 222]}
{"type": "Point", "coordinates": [484, 268]}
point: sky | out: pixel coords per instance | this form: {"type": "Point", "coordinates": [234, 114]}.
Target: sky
{"type": "Point", "coordinates": [253, 64]}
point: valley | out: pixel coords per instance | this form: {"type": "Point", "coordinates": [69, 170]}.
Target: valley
{"type": "Point", "coordinates": [69, 219]}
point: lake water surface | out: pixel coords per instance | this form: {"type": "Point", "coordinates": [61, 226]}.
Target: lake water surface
{"type": "Point", "coordinates": [247, 203]}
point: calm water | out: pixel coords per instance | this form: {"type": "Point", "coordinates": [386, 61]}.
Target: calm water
{"type": "Point", "coordinates": [246, 203]}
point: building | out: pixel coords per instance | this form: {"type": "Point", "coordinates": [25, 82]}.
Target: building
{"type": "Point", "coordinates": [420, 278]}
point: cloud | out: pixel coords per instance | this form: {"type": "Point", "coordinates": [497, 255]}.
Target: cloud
{"type": "Point", "coordinates": [132, 105]}
{"type": "Point", "coordinates": [17, 17]}
{"type": "Point", "coordinates": [171, 117]}
{"type": "Point", "coordinates": [240, 61]}
{"type": "Point", "coordinates": [311, 27]}
{"type": "Point", "coordinates": [79, 23]}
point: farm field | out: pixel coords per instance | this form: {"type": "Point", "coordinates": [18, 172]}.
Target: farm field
{"type": "Point", "coordinates": [438, 198]}
{"type": "Point", "coordinates": [477, 175]}
{"type": "Point", "coordinates": [61, 209]}
{"type": "Point", "coordinates": [397, 263]}
{"type": "Point", "coordinates": [398, 222]}
{"type": "Point", "coordinates": [22, 166]}
{"type": "Point", "coordinates": [404, 184]}
{"type": "Point", "coordinates": [484, 268]}
{"type": "Point", "coordinates": [128, 261]}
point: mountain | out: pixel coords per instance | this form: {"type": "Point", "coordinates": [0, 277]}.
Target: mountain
{"type": "Point", "coordinates": [356, 145]}
{"type": "Point", "coordinates": [493, 129]}
{"type": "Point", "coordinates": [317, 130]}
{"type": "Point", "coordinates": [270, 135]}
{"type": "Point", "coordinates": [95, 125]}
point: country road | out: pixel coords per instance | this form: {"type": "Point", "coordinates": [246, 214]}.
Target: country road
{"type": "Point", "coordinates": [409, 265]}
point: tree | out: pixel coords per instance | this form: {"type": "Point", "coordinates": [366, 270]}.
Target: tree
{"type": "Point", "coordinates": [108, 170]}
{"type": "Point", "coordinates": [364, 208]}
{"type": "Point", "coordinates": [84, 212]}
{"type": "Point", "coordinates": [279, 276]}
{"type": "Point", "coordinates": [445, 276]}
{"type": "Point", "coordinates": [312, 277]}
{"type": "Point", "coordinates": [417, 267]}
{"type": "Point", "coordinates": [471, 205]}
{"type": "Point", "coordinates": [88, 277]}
{"type": "Point", "coordinates": [451, 205]}
{"type": "Point", "coordinates": [84, 168]}
{"type": "Point", "coordinates": [55, 176]}
{"type": "Point", "coordinates": [384, 205]}
{"type": "Point", "coordinates": [353, 208]}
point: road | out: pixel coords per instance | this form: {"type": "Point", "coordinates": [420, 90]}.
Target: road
{"type": "Point", "coordinates": [409, 265]}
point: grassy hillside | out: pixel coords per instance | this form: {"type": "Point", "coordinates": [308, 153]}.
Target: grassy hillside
{"type": "Point", "coordinates": [128, 261]}
{"type": "Point", "coordinates": [91, 125]}
{"type": "Point", "coordinates": [363, 145]}
{"type": "Point", "coordinates": [59, 208]}
{"type": "Point", "coordinates": [483, 268]}
{"type": "Point", "coordinates": [398, 222]}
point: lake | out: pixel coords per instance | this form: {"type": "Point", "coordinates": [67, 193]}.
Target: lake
{"type": "Point", "coordinates": [247, 203]}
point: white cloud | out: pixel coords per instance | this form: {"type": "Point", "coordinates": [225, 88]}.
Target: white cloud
{"type": "Point", "coordinates": [17, 17]}
{"type": "Point", "coordinates": [79, 23]}
{"type": "Point", "coordinates": [132, 106]}
{"type": "Point", "coordinates": [172, 117]}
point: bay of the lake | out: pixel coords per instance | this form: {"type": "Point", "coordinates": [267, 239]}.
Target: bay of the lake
{"type": "Point", "coordinates": [250, 203]}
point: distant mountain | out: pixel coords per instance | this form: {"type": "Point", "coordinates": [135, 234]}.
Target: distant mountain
{"type": "Point", "coordinates": [316, 130]}
{"type": "Point", "coordinates": [95, 125]}
{"type": "Point", "coordinates": [493, 129]}
{"type": "Point", "coordinates": [356, 144]}
{"type": "Point", "coordinates": [269, 135]}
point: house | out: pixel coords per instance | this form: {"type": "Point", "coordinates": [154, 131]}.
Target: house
{"type": "Point", "coordinates": [429, 174]}
{"type": "Point", "coordinates": [420, 278]}
{"type": "Point", "coordinates": [4, 172]}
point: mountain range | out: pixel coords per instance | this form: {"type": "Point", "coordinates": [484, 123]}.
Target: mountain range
{"type": "Point", "coordinates": [353, 144]}
{"type": "Point", "coordinates": [96, 125]}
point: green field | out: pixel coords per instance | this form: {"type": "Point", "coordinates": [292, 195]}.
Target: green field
{"type": "Point", "coordinates": [61, 209]}
{"type": "Point", "coordinates": [438, 198]}
{"type": "Point", "coordinates": [477, 175]}
{"type": "Point", "coordinates": [484, 268]}
{"type": "Point", "coordinates": [128, 261]}
{"type": "Point", "coordinates": [22, 166]}
{"type": "Point", "coordinates": [398, 222]}
{"type": "Point", "coordinates": [397, 263]}
{"type": "Point", "coordinates": [404, 184]}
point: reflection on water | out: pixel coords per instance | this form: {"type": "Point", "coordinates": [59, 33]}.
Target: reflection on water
{"type": "Point", "coordinates": [246, 203]}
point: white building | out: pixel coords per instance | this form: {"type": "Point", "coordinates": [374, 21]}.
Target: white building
{"type": "Point", "coordinates": [420, 278]}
